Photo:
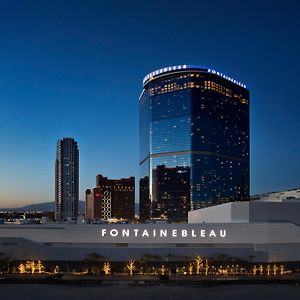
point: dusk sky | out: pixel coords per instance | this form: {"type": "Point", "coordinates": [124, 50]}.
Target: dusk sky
{"type": "Point", "coordinates": [75, 69]}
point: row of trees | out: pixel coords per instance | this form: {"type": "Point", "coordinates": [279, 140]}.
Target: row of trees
{"type": "Point", "coordinates": [31, 267]}
{"type": "Point", "coordinates": [95, 263]}
{"type": "Point", "coordinates": [196, 267]}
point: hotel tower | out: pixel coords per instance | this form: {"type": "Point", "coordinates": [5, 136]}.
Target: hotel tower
{"type": "Point", "coordinates": [194, 141]}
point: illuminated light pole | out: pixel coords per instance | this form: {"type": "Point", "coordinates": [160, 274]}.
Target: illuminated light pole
{"type": "Point", "coordinates": [163, 270]}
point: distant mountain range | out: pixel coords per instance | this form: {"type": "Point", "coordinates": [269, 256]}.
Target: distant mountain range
{"type": "Point", "coordinates": [49, 206]}
{"type": "Point", "coordinates": [45, 206]}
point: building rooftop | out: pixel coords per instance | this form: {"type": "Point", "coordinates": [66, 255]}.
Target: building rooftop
{"type": "Point", "coordinates": [174, 69]}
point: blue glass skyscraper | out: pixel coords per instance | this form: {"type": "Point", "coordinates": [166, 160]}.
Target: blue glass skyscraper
{"type": "Point", "coordinates": [194, 141]}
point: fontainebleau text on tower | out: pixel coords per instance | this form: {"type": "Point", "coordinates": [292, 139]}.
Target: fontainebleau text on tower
{"type": "Point", "coordinates": [194, 141]}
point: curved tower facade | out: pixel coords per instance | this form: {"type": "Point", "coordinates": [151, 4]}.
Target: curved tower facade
{"type": "Point", "coordinates": [194, 141]}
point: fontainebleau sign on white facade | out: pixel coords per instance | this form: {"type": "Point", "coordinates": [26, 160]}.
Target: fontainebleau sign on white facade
{"type": "Point", "coordinates": [162, 233]}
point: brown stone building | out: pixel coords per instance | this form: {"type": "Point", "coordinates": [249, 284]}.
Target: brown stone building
{"type": "Point", "coordinates": [112, 198]}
